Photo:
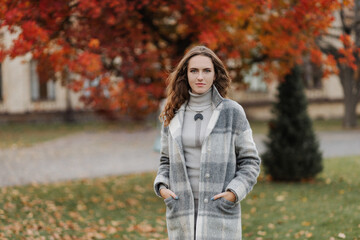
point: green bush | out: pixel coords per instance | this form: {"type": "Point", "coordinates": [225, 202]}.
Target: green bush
{"type": "Point", "coordinates": [292, 148]}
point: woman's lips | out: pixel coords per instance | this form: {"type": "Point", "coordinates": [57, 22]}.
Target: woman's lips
{"type": "Point", "coordinates": [200, 84]}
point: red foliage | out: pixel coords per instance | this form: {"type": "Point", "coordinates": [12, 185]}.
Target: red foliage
{"type": "Point", "coordinates": [348, 52]}
{"type": "Point", "coordinates": [123, 48]}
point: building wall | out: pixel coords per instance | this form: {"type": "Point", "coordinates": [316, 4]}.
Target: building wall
{"type": "Point", "coordinates": [17, 91]}
{"type": "Point", "coordinates": [324, 103]}
{"type": "Point", "coordinates": [316, 110]}
{"type": "Point", "coordinates": [16, 88]}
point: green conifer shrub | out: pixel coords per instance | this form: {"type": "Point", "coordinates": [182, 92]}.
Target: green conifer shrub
{"type": "Point", "coordinates": [292, 150]}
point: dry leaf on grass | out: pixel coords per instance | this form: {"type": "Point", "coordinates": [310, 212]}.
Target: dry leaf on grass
{"type": "Point", "coordinates": [342, 235]}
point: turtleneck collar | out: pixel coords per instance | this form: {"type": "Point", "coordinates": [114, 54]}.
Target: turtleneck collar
{"type": "Point", "coordinates": [200, 100]}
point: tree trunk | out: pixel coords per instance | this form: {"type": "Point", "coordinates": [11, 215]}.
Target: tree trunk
{"type": "Point", "coordinates": [69, 113]}
{"type": "Point", "coordinates": [351, 88]}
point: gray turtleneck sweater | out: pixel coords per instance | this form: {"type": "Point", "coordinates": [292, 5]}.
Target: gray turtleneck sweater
{"type": "Point", "coordinates": [193, 133]}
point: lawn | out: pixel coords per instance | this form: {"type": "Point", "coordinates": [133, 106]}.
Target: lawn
{"type": "Point", "coordinates": [125, 207]}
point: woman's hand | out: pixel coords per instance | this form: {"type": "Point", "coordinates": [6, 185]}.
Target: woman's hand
{"type": "Point", "coordinates": [166, 193]}
{"type": "Point", "coordinates": [227, 195]}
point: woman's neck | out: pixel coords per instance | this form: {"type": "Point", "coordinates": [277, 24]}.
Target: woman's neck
{"type": "Point", "coordinates": [199, 100]}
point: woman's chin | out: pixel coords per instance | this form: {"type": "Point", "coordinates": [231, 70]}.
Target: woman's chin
{"type": "Point", "coordinates": [200, 90]}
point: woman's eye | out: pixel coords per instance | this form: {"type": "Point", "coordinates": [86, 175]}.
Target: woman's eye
{"type": "Point", "coordinates": [193, 70]}
{"type": "Point", "coordinates": [207, 70]}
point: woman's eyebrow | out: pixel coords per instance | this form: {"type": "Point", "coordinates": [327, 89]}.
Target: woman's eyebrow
{"type": "Point", "coordinates": [200, 68]}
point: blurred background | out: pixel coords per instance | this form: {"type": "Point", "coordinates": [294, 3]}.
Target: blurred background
{"type": "Point", "coordinates": [81, 83]}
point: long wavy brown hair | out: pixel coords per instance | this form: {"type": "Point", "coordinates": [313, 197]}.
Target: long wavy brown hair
{"type": "Point", "coordinates": [178, 85]}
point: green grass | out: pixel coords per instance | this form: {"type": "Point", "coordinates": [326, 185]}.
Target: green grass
{"type": "Point", "coordinates": [125, 207]}
{"type": "Point", "coordinates": [26, 134]}
{"type": "Point", "coordinates": [318, 210]}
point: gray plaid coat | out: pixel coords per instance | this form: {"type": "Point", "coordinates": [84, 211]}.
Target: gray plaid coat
{"type": "Point", "coordinates": [229, 161]}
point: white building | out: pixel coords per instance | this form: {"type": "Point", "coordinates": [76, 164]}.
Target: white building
{"type": "Point", "coordinates": [324, 102]}
{"type": "Point", "coordinates": [21, 92]}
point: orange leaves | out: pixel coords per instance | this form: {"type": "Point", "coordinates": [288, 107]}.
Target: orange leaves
{"type": "Point", "coordinates": [347, 41]}
{"type": "Point", "coordinates": [45, 68]}
{"type": "Point", "coordinates": [11, 14]}
{"type": "Point", "coordinates": [330, 65]}
{"type": "Point", "coordinates": [286, 31]}
{"type": "Point", "coordinates": [316, 56]}
{"type": "Point", "coordinates": [91, 7]}
{"type": "Point", "coordinates": [90, 62]}
{"type": "Point", "coordinates": [348, 52]}
{"type": "Point", "coordinates": [124, 47]}
{"type": "Point", "coordinates": [76, 86]}
{"type": "Point", "coordinates": [209, 38]}
{"type": "Point", "coordinates": [87, 64]}
{"type": "Point", "coordinates": [60, 58]}
{"type": "Point", "coordinates": [3, 52]}
{"type": "Point", "coordinates": [94, 43]}
{"type": "Point", "coordinates": [348, 3]}
{"type": "Point", "coordinates": [136, 100]}
{"type": "Point", "coordinates": [193, 6]}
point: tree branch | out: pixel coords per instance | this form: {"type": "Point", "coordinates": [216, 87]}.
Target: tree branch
{"type": "Point", "coordinates": [346, 29]}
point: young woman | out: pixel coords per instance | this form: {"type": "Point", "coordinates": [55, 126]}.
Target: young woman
{"type": "Point", "coordinates": [209, 161]}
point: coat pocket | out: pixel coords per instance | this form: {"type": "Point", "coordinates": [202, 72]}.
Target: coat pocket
{"type": "Point", "coordinates": [172, 218]}
{"type": "Point", "coordinates": [171, 207]}
{"type": "Point", "coordinates": [228, 208]}
{"type": "Point", "coordinates": [169, 201]}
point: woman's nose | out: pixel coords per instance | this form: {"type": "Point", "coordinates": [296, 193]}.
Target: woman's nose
{"type": "Point", "coordinates": [200, 76]}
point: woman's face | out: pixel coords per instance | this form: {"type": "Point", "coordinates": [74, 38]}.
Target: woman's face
{"type": "Point", "coordinates": [200, 73]}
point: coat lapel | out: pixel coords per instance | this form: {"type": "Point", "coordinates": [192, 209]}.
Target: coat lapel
{"type": "Point", "coordinates": [216, 101]}
{"type": "Point", "coordinates": [212, 121]}
{"type": "Point", "coordinates": [176, 125]}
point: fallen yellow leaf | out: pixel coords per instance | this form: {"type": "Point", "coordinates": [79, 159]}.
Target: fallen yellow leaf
{"type": "Point", "coordinates": [132, 201]}
{"type": "Point", "coordinates": [144, 228]}
{"type": "Point", "coordinates": [342, 235]}
{"type": "Point", "coordinates": [280, 198]}
{"type": "Point", "coordinates": [306, 224]}
{"type": "Point", "coordinates": [308, 234]}
{"type": "Point", "coordinates": [271, 226]}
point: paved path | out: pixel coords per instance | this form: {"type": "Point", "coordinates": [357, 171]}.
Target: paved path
{"type": "Point", "coordinates": [92, 154]}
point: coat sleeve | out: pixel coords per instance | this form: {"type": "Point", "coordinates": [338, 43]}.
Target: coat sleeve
{"type": "Point", "coordinates": [162, 177]}
{"type": "Point", "coordinates": [247, 162]}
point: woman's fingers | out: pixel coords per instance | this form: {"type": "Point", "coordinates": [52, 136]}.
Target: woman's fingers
{"type": "Point", "coordinates": [217, 196]}
{"type": "Point", "coordinates": [230, 196]}
{"type": "Point", "coordinates": [227, 195]}
{"type": "Point", "coordinates": [173, 195]}
{"type": "Point", "coordinates": [165, 193]}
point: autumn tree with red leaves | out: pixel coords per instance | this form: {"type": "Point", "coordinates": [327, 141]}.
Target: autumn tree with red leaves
{"type": "Point", "coordinates": [120, 51]}
{"type": "Point", "coordinates": [123, 48]}
{"type": "Point", "coordinates": [343, 42]}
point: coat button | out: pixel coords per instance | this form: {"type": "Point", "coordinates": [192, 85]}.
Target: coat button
{"type": "Point", "coordinates": [207, 175]}
{"type": "Point", "coordinates": [206, 200]}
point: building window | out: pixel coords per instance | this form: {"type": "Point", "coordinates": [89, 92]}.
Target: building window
{"type": "Point", "coordinates": [255, 80]}
{"type": "Point", "coordinates": [40, 91]}
{"type": "Point", "coordinates": [1, 82]}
